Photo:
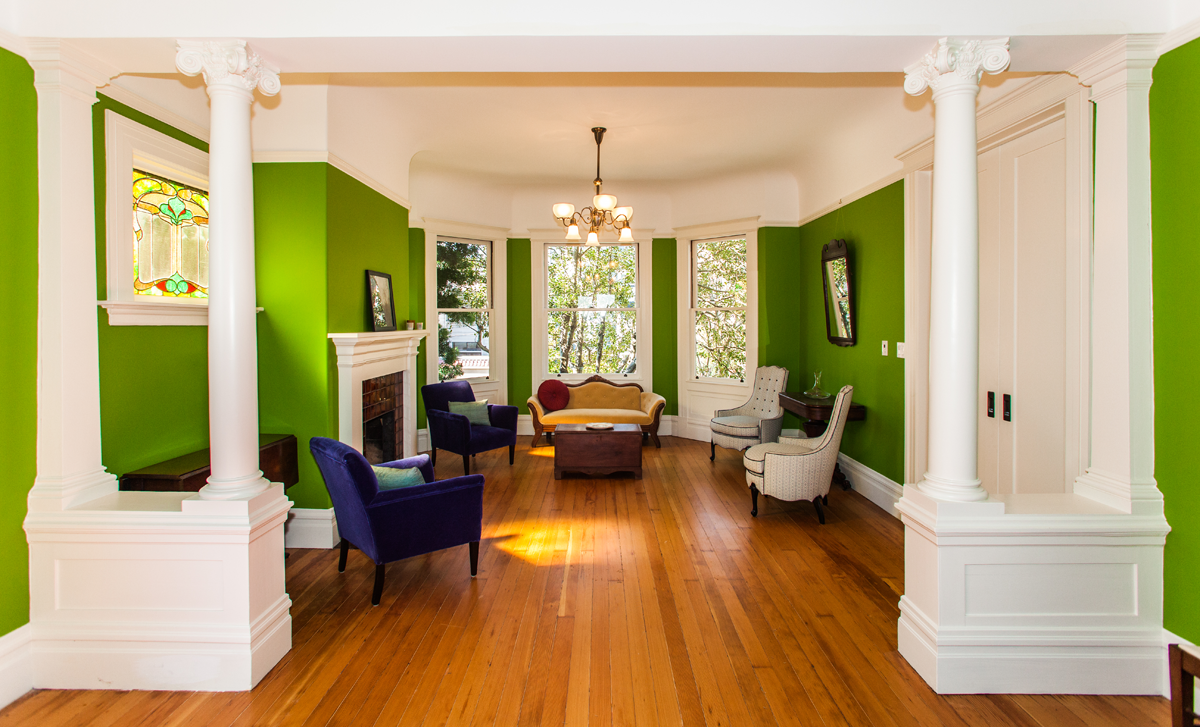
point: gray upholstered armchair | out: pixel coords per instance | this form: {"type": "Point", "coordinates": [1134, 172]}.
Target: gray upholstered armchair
{"type": "Point", "coordinates": [755, 422]}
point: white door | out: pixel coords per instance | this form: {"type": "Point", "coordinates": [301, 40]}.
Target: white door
{"type": "Point", "coordinates": [1024, 305]}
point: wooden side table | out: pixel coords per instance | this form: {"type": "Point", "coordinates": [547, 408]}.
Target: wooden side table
{"type": "Point", "coordinates": [597, 451]}
{"type": "Point", "coordinates": [816, 414]}
{"type": "Point", "coordinates": [1185, 667]}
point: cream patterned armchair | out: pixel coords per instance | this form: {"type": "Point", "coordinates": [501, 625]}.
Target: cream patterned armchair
{"type": "Point", "coordinates": [799, 469]}
{"type": "Point", "coordinates": [755, 422]}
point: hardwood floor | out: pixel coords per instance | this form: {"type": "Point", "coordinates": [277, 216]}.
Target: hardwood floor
{"type": "Point", "coordinates": [606, 602]}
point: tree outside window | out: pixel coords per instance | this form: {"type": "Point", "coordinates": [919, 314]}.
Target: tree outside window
{"type": "Point", "coordinates": [719, 308]}
{"type": "Point", "coordinates": [591, 309]}
{"type": "Point", "coordinates": [463, 308]}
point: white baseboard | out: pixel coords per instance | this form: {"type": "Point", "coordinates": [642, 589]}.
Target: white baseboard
{"type": "Point", "coordinates": [311, 528]}
{"type": "Point", "coordinates": [870, 484]}
{"type": "Point", "coordinates": [423, 440]}
{"type": "Point", "coordinates": [16, 671]}
{"type": "Point", "coordinates": [524, 425]}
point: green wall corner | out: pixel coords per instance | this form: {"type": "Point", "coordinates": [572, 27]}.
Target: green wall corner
{"type": "Point", "coordinates": [1174, 159]}
{"type": "Point", "coordinates": [665, 344]}
{"type": "Point", "coordinates": [792, 318]}
{"type": "Point", "coordinates": [18, 328]}
{"type": "Point", "coordinates": [520, 324]}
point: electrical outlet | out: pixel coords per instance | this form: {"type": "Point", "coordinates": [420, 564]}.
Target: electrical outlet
{"type": "Point", "coordinates": [885, 348]}
{"type": "Point", "coordinates": [899, 349]}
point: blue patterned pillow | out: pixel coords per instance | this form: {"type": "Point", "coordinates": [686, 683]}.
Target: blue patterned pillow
{"type": "Point", "coordinates": [393, 478]}
{"type": "Point", "coordinates": [476, 412]}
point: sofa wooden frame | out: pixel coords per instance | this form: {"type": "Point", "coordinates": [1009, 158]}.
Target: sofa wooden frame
{"type": "Point", "coordinates": [650, 429]}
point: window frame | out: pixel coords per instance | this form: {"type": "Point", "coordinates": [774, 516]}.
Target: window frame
{"type": "Point", "coordinates": [693, 309]}
{"type": "Point", "coordinates": [128, 146]}
{"type": "Point", "coordinates": [490, 246]}
{"type": "Point", "coordinates": [539, 291]}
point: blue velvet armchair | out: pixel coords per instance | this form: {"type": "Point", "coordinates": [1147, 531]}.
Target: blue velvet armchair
{"type": "Point", "coordinates": [390, 525]}
{"type": "Point", "coordinates": [454, 433]}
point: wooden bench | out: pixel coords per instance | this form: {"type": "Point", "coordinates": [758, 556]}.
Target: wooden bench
{"type": "Point", "coordinates": [276, 458]}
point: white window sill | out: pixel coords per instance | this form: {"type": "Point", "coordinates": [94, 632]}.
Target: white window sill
{"type": "Point", "coordinates": [153, 313]}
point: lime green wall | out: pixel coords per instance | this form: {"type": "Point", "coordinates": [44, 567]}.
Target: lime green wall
{"type": "Point", "coordinates": [416, 307]}
{"type": "Point", "coordinates": [792, 318]}
{"type": "Point", "coordinates": [18, 328]}
{"type": "Point", "coordinates": [289, 254]}
{"type": "Point", "coordinates": [781, 320]}
{"type": "Point", "coordinates": [520, 325]}
{"type": "Point", "coordinates": [153, 379]}
{"type": "Point", "coordinates": [665, 344]}
{"type": "Point", "coordinates": [1175, 157]}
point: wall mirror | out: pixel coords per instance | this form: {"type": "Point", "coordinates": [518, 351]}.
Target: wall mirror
{"type": "Point", "coordinates": [839, 293]}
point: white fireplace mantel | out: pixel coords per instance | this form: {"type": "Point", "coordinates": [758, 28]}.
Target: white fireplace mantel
{"type": "Point", "coordinates": [362, 356]}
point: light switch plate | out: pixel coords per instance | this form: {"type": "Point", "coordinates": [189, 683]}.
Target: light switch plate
{"type": "Point", "coordinates": [899, 349]}
{"type": "Point", "coordinates": [885, 348]}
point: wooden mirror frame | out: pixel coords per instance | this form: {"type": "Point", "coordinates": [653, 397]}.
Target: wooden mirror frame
{"type": "Point", "coordinates": [832, 251]}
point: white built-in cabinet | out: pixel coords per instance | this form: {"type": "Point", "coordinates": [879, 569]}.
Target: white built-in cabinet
{"type": "Point", "coordinates": [1028, 296]}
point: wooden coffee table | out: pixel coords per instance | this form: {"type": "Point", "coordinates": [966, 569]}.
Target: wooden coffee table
{"type": "Point", "coordinates": [597, 451]}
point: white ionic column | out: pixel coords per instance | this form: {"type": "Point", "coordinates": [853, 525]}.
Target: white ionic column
{"type": "Point", "coordinates": [1120, 472]}
{"type": "Point", "coordinates": [231, 73]}
{"type": "Point", "coordinates": [952, 70]}
{"type": "Point", "coordinates": [69, 467]}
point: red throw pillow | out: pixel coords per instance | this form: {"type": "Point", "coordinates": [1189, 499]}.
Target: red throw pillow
{"type": "Point", "coordinates": [553, 394]}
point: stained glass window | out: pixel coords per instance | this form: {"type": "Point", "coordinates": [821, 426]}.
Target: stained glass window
{"type": "Point", "coordinates": [170, 238]}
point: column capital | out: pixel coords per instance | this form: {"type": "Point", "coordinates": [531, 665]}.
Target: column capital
{"type": "Point", "coordinates": [227, 63]}
{"type": "Point", "coordinates": [955, 62]}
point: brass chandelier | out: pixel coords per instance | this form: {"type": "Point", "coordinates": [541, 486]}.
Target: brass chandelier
{"type": "Point", "coordinates": [602, 213]}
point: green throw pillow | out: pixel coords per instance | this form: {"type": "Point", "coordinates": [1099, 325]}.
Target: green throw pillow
{"type": "Point", "coordinates": [475, 411]}
{"type": "Point", "coordinates": [393, 478]}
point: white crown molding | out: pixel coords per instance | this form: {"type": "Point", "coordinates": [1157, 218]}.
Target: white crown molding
{"type": "Point", "coordinates": [140, 103]}
{"type": "Point", "coordinates": [1182, 35]}
{"type": "Point", "coordinates": [13, 43]}
{"type": "Point", "coordinates": [470, 230]}
{"type": "Point", "coordinates": [716, 229]}
{"type": "Point", "coordinates": [852, 197]}
{"type": "Point", "coordinates": [1130, 52]}
{"type": "Point", "coordinates": [333, 160]}
{"type": "Point", "coordinates": [16, 672]}
{"type": "Point", "coordinates": [56, 53]}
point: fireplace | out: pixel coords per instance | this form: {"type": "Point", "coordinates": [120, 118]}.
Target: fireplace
{"type": "Point", "coordinates": [383, 418]}
{"type": "Point", "coordinates": [377, 376]}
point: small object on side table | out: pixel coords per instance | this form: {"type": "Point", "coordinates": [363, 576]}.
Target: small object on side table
{"type": "Point", "coordinates": [816, 413]}
{"type": "Point", "coordinates": [816, 392]}
{"type": "Point", "coordinates": [592, 452]}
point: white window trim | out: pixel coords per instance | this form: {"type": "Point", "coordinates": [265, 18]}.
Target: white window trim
{"type": "Point", "coordinates": [692, 309]}
{"type": "Point", "coordinates": [494, 388]}
{"type": "Point", "coordinates": [130, 145]}
{"type": "Point", "coordinates": [645, 312]}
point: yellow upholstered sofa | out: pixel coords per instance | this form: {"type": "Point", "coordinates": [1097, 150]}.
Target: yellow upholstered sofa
{"type": "Point", "coordinates": [600, 400]}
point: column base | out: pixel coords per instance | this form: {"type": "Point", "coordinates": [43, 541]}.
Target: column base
{"type": "Point", "coordinates": [159, 590]}
{"type": "Point", "coordinates": [941, 488]}
{"type": "Point", "coordinates": [242, 489]}
{"type": "Point", "coordinates": [1031, 594]}
{"type": "Point", "coordinates": [50, 494]}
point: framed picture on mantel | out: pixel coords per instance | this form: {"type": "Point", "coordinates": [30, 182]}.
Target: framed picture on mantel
{"type": "Point", "coordinates": [381, 306]}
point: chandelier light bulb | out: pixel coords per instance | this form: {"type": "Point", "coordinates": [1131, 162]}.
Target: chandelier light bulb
{"type": "Point", "coordinates": [626, 235]}
{"type": "Point", "coordinates": [564, 211]}
{"type": "Point", "coordinates": [593, 238]}
{"type": "Point", "coordinates": [626, 212]}
{"type": "Point", "coordinates": [605, 202]}
{"type": "Point", "coordinates": [573, 232]}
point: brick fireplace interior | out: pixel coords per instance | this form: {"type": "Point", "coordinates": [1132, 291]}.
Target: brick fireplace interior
{"type": "Point", "coordinates": [383, 418]}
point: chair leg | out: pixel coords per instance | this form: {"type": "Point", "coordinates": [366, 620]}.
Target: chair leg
{"type": "Point", "coordinates": [345, 546]}
{"type": "Point", "coordinates": [474, 546]}
{"type": "Point", "coordinates": [820, 511]}
{"type": "Point", "coordinates": [712, 452]}
{"type": "Point", "coordinates": [512, 453]}
{"type": "Point", "coordinates": [466, 464]}
{"type": "Point", "coordinates": [378, 592]}
{"type": "Point", "coordinates": [825, 500]}
{"type": "Point", "coordinates": [754, 500]}
{"type": "Point", "coordinates": [654, 437]}
{"type": "Point", "coordinates": [433, 456]}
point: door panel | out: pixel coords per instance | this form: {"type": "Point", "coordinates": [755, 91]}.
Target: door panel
{"type": "Point", "coordinates": [1023, 313]}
